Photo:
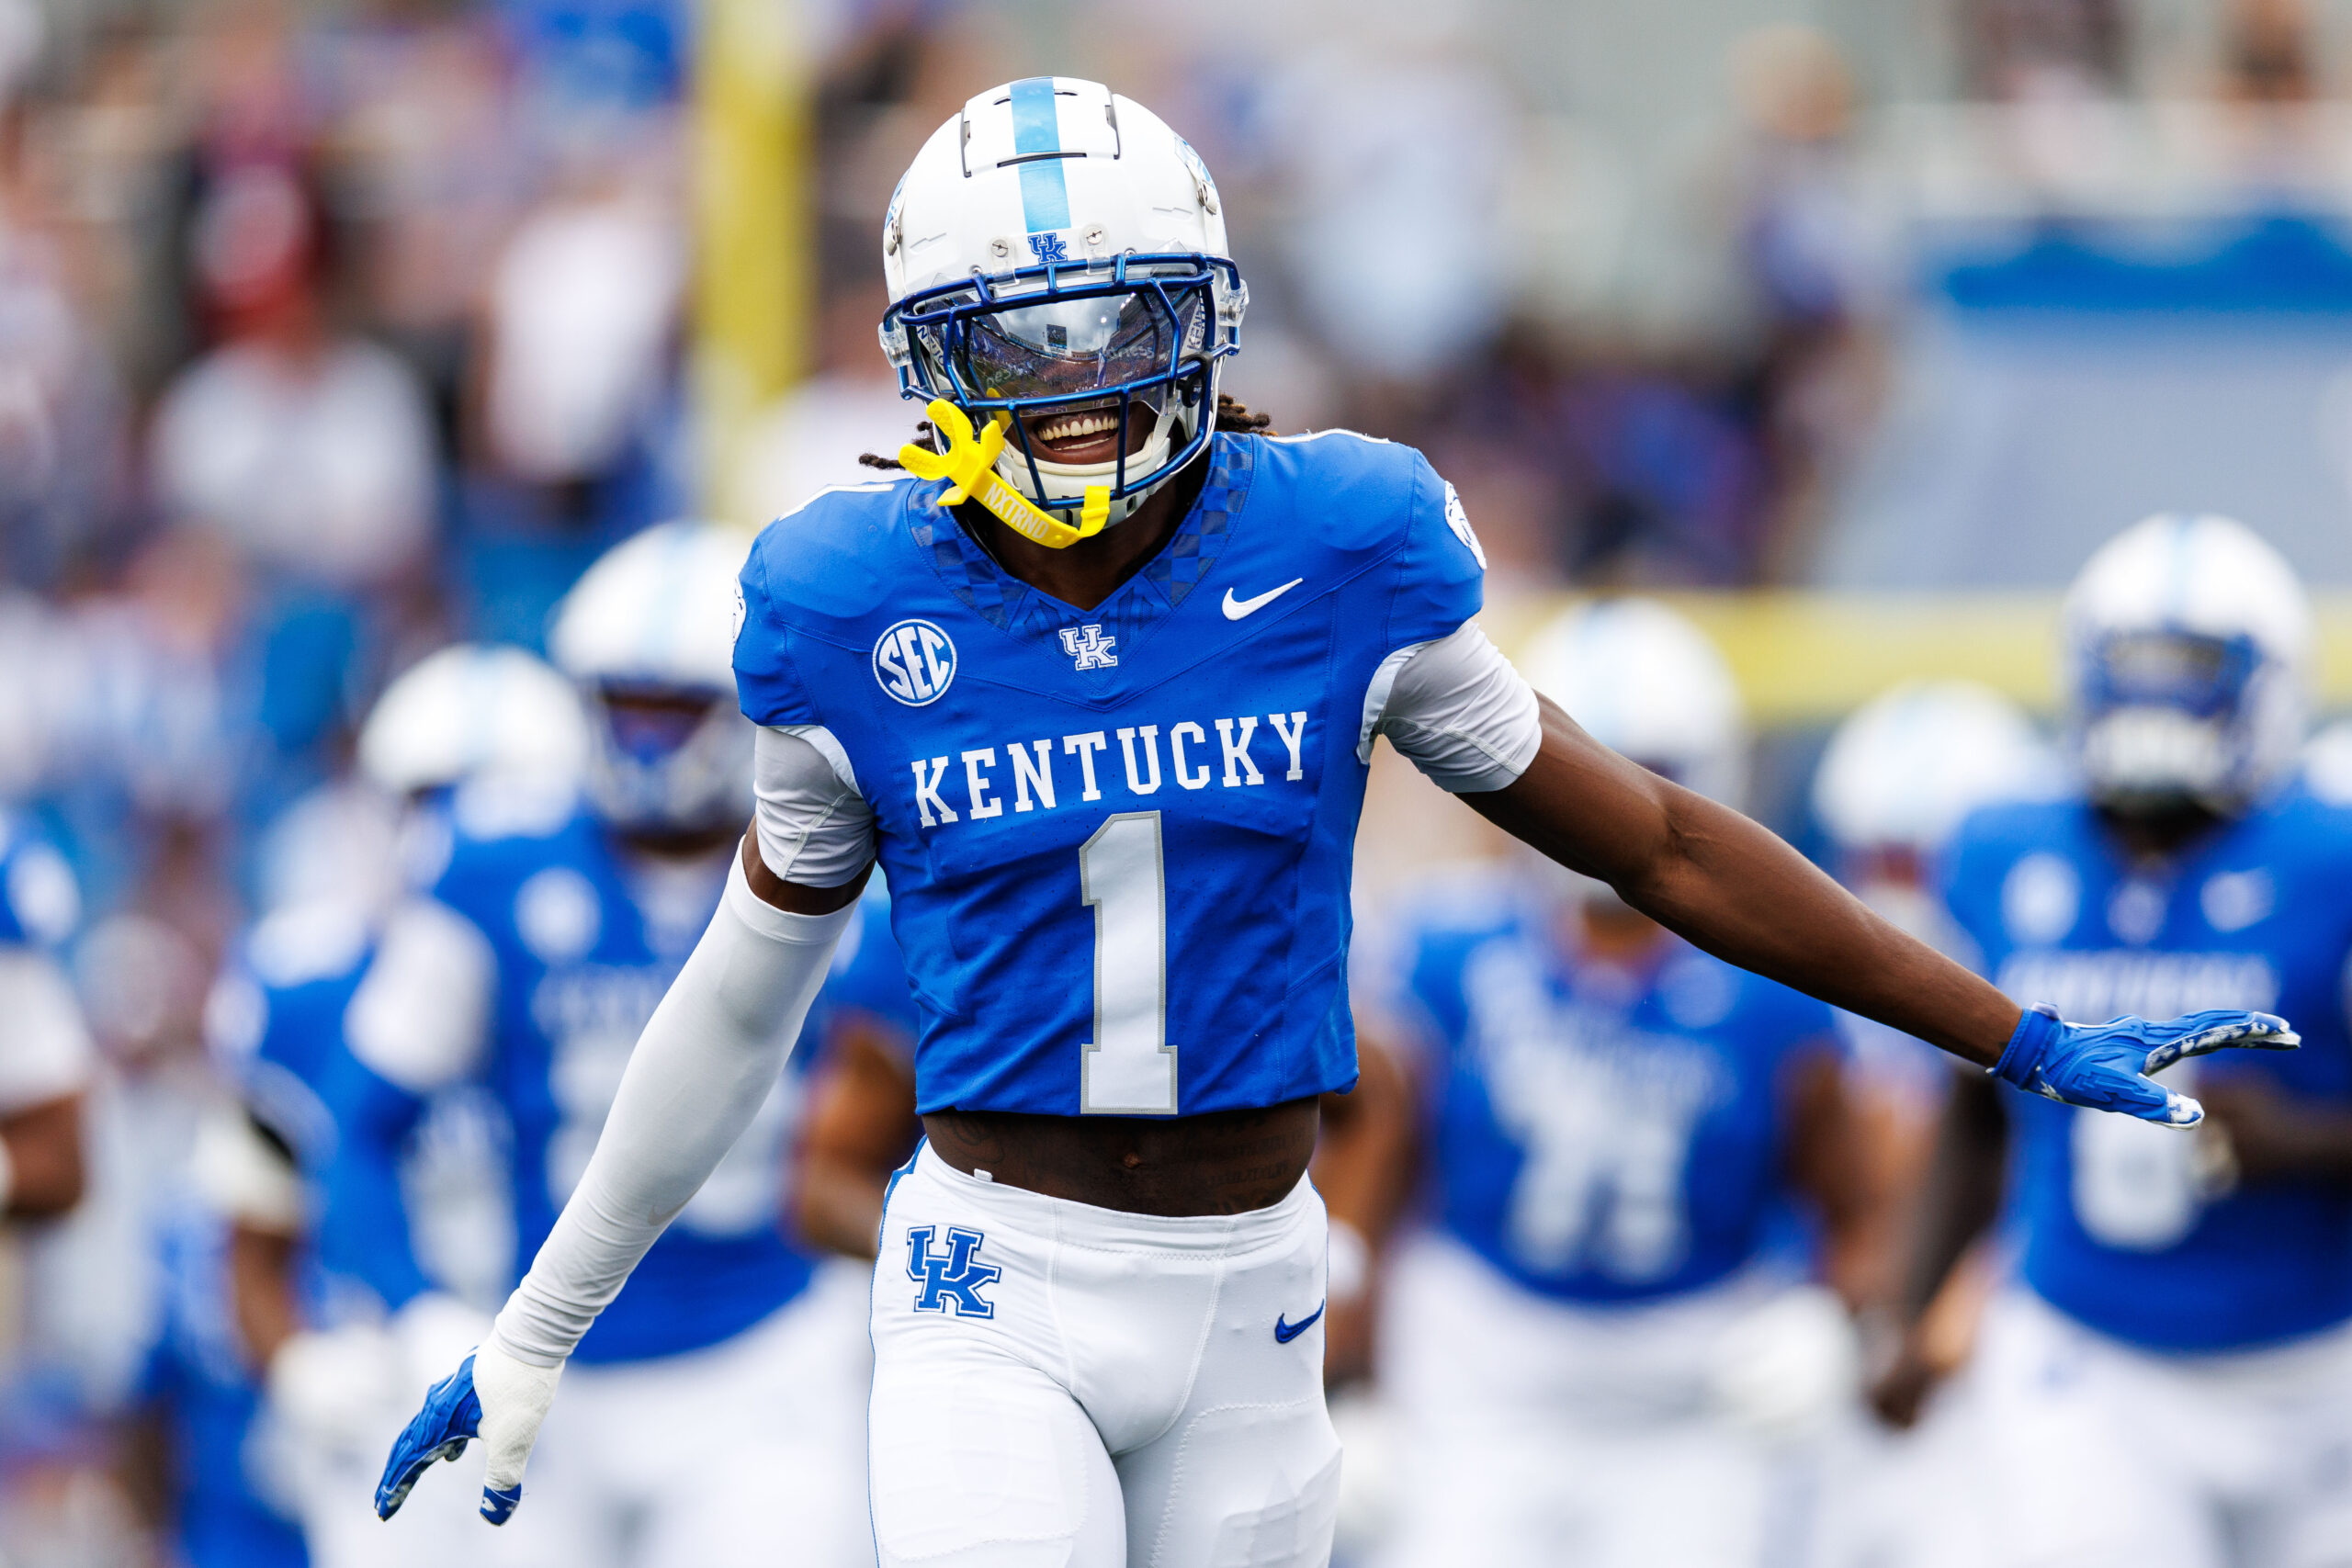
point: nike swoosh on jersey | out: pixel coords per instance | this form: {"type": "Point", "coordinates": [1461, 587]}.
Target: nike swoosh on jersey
{"type": "Point", "coordinates": [1237, 608]}
{"type": "Point", "coordinates": [1287, 1332]}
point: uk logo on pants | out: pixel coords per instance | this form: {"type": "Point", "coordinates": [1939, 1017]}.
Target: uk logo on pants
{"type": "Point", "coordinates": [955, 1280]}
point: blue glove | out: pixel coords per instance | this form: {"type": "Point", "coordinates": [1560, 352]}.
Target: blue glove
{"type": "Point", "coordinates": [491, 1395]}
{"type": "Point", "coordinates": [2106, 1065]}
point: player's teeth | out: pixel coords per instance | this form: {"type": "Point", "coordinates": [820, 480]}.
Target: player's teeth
{"type": "Point", "coordinates": [1079, 424]}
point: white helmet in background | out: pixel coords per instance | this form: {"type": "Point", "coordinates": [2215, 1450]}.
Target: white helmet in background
{"type": "Point", "coordinates": [2186, 660]}
{"type": "Point", "coordinates": [1056, 247]}
{"type": "Point", "coordinates": [1647, 683]}
{"type": "Point", "coordinates": [1906, 767]}
{"type": "Point", "coordinates": [472, 709]}
{"type": "Point", "coordinates": [647, 634]}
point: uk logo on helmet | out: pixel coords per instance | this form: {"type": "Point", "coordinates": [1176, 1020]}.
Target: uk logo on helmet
{"type": "Point", "coordinates": [914, 662]}
{"type": "Point", "coordinates": [1049, 249]}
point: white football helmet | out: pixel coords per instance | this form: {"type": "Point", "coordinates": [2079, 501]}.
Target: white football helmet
{"type": "Point", "coordinates": [1057, 248]}
{"type": "Point", "coordinates": [1647, 683]}
{"type": "Point", "coordinates": [1907, 766]}
{"type": "Point", "coordinates": [470, 709]}
{"type": "Point", "coordinates": [647, 634]}
{"type": "Point", "coordinates": [2186, 662]}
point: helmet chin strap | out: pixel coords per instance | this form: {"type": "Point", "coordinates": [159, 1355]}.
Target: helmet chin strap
{"type": "Point", "coordinates": [971, 463]}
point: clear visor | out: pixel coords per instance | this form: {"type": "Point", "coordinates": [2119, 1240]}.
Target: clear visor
{"type": "Point", "coordinates": [1069, 347]}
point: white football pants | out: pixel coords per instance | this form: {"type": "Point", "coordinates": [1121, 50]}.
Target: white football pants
{"type": "Point", "coordinates": [1532, 1432]}
{"type": "Point", "coordinates": [2102, 1455]}
{"type": "Point", "coordinates": [1056, 1383]}
{"type": "Point", "coordinates": [746, 1454]}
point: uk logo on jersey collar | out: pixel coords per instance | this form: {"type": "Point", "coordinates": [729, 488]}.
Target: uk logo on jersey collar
{"type": "Point", "coordinates": [915, 661]}
{"type": "Point", "coordinates": [1089, 649]}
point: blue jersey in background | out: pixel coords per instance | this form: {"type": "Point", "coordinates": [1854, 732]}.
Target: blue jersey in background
{"type": "Point", "coordinates": [1119, 840]}
{"type": "Point", "coordinates": [2123, 1227]}
{"type": "Point", "coordinates": [197, 1381]}
{"type": "Point", "coordinates": [583, 944]}
{"type": "Point", "coordinates": [1599, 1136]}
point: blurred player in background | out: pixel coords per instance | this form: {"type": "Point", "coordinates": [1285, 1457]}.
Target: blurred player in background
{"type": "Point", "coordinates": [714, 1419]}
{"type": "Point", "coordinates": [313, 1280]}
{"type": "Point", "coordinates": [2179, 1342]}
{"type": "Point", "coordinates": [1602, 1354]}
{"type": "Point", "coordinates": [1897, 778]}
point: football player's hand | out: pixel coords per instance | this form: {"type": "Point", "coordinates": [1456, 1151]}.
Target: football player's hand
{"type": "Point", "coordinates": [492, 1396]}
{"type": "Point", "coordinates": [336, 1388]}
{"type": "Point", "coordinates": [2106, 1065]}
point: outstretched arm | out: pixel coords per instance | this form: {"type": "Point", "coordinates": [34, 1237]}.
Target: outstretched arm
{"type": "Point", "coordinates": [704, 1063]}
{"type": "Point", "coordinates": [1732, 887]}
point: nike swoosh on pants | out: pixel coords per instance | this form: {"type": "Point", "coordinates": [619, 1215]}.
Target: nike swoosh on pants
{"type": "Point", "coordinates": [1285, 1332]}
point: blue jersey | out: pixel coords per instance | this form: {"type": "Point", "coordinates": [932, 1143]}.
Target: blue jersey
{"type": "Point", "coordinates": [1118, 840]}
{"type": "Point", "coordinates": [584, 952]}
{"type": "Point", "coordinates": [276, 1018]}
{"type": "Point", "coordinates": [1595, 1137]}
{"type": "Point", "coordinates": [2121, 1230]}
{"type": "Point", "coordinates": [197, 1379]}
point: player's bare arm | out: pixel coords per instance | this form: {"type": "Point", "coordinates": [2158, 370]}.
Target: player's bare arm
{"type": "Point", "coordinates": [860, 1126]}
{"type": "Point", "coordinates": [1732, 887]}
{"type": "Point", "coordinates": [43, 1145]}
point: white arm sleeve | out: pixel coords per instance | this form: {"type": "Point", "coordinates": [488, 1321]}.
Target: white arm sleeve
{"type": "Point", "coordinates": [420, 1016]}
{"type": "Point", "coordinates": [1457, 708]}
{"type": "Point", "coordinates": [814, 824]}
{"type": "Point", "coordinates": [708, 1058]}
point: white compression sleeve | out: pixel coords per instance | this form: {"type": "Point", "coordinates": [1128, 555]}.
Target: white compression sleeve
{"type": "Point", "coordinates": [1457, 709]}
{"type": "Point", "coordinates": [706, 1060]}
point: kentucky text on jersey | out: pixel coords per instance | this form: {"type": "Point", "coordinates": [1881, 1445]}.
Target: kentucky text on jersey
{"type": "Point", "coordinates": [2125, 1228]}
{"type": "Point", "coordinates": [1030, 765]}
{"type": "Point", "coordinates": [1118, 838]}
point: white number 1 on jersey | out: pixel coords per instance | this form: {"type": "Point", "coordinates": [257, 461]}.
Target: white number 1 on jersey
{"type": "Point", "coordinates": [1128, 1070]}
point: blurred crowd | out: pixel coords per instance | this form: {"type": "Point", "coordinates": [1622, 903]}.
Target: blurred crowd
{"type": "Point", "coordinates": [333, 334]}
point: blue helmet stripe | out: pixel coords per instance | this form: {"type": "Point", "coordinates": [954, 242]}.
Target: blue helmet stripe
{"type": "Point", "coordinates": [1045, 195]}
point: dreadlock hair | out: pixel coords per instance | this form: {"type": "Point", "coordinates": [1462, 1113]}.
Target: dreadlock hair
{"type": "Point", "coordinates": [1232, 417]}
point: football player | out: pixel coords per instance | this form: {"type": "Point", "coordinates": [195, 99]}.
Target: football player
{"type": "Point", "coordinates": [2188, 1297]}
{"type": "Point", "coordinates": [715, 1418]}
{"type": "Point", "coordinates": [1899, 775]}
{"type": "Point", "coordinates": [1097, 680]}
{"type": "Point", "coordinates": [337, 1368]}
{"type": "Point", "coordinates": [1605, 1322]}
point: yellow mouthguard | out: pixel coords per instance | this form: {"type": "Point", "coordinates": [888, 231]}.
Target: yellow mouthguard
{"type": "Point", "coordinates": [970, 463]}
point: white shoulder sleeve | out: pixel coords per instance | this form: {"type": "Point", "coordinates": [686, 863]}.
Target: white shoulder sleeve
{"type": "Point", "coordinates": [815, 826]}
{"type": "Point", "coordinates": [420, 1016]}
{"type": "Point", "coordinates": [45, 1050]}
{"type": "Point", "coordinates": [1457, 708]}
{"type": "Point", "coordinates": [706, 1061]}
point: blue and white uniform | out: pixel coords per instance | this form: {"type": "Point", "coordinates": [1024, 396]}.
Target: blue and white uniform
{"type": "Point", "coordinates": [2161, 1306]}
{"type": "Point", "coordinates": [1119, 845]}
{"type": "Point", "coordinates": [230, 1470]}
{"type": "Point", "coordinates": [1606, 1207]}
{"type": "Point", "coordinates": [702, 1420]}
